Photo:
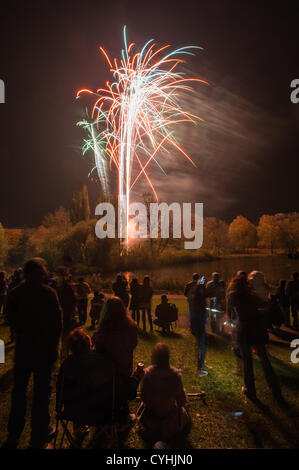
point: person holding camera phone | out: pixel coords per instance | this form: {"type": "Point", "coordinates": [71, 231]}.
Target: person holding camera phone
{"type": "Point", "coordinates": [198, 325]}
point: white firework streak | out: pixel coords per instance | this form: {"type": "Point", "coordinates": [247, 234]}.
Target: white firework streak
{"type": "Point", "coordinates": [134, 116]}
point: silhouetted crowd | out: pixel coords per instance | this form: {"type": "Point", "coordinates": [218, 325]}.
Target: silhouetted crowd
{"type": "Point", "coordinates": [247, 310]}
{"type": "Point", "coordinates": [97, 380]}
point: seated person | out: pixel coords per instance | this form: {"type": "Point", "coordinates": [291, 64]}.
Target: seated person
{"type": "Point", "coordinates": [116, 335]}
{"type": "Point", "coordinates": [97, 303]}
{"type": "Point", "coordinates": [85, 387]}
{"type": "Point", "coordinates": [162, 416]}
{"type": "Point", "coordinates": [166, 313]}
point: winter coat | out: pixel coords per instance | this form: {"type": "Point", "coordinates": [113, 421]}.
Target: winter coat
{"type": "Point", "coordinates": [135, 301]}
{"type": "Point", "coordinates": [162, 414]}
{"type": "Point", "coordinates": [34, 312]}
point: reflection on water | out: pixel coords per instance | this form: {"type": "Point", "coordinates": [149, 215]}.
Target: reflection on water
{"type": "Point", "coordinates": [274, 267]}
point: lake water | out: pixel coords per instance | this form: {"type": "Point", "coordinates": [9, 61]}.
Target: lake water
{"type": "Point", "coordinates": [274, 268]}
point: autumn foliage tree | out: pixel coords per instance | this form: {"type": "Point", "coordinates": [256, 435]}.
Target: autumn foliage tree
{"type": "Point", "coordinates": [279, 231]}
{"type": "Point", "coordinates": [269, 232]}
{"type": "Point", "coordinates": [289, 229]}
{"type": "Point", "coordinates": [58, 222]}
{"type": "Point", "coordinates": [242, 234]}
{"type": "Point", "coordinates": [68, 237]}
{"type": "Point", "coordinates": [215, 235]}
{"type": "Point", "coordinates": [47, 237]}
{"type": "Point", "coordinates": [24, 248]}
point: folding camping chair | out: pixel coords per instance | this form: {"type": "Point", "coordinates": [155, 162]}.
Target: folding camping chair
{"type": "Point", "coordinates": [107, 430]}
{"type": "Point", "coordinates": [168, 319]}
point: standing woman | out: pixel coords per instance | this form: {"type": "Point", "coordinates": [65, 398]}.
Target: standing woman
{"type": "Point", "coordinates": [135, 291]}
{"type": "Point", "coordinates": [251, 332]}
{"type": "Point", "coordinates": [146, 301]}
{"type": "Point", "coordinates": [198, 326]}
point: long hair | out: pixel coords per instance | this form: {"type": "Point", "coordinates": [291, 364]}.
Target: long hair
{"type": "Point", "coordinates": [115, 315]}
{"type": "Point", "coordinates": [79, 342]}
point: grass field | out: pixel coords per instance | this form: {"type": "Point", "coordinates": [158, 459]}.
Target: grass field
{"type": "Point", "coordinates": [227, 419]}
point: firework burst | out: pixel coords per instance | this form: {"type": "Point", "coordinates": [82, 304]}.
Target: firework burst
{"type": "Point", "coordinates": [133, 119]}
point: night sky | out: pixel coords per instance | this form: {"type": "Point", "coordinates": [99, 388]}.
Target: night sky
{"type": "Point", "coordinates": [247, 150]}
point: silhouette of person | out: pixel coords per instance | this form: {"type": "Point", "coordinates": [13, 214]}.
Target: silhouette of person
{"type": "Point", "coordinates": [163, 415]}
{"type": "Point", "coordinates": [292, 292]}
{"type": "Point", "coordinates": [120, 289]}
{"type": "Point", "coordinates": [189, 292]}
{"type": "Point", "coordinates": [146, 302]}
{"type": "Point", "coordinates": [34, 312]}
{"type": "Point", "coordinates": [96, 307]}
{"type": "Point", "coordinates": [135, 291]}
{"type": "Point", "coordinates": [166, 313]}
{"type": "Point", "coordinates": [68, 301]}
{"type": "Point", "coordinates": [198, 326]}
{"type": "Point", "coordinates": [3, 291]}
{"type": "Point", "coordinates": [83, 291]}
{"type": "Point", "coordinates": [283, 301]}
{"type": "Point", "coordinates": [251, 332]}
